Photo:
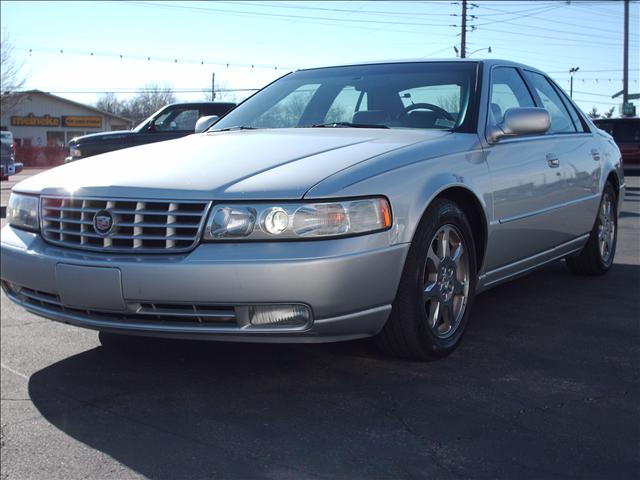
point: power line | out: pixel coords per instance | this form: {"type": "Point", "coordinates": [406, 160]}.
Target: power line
{"type": "Point", "coordinates": [606, 13]}
{"type": "Point", "coordinates": [559, 22]}
{"type": "Point", "coordinates": [339, 10]}
{"type": "Point", "coordinates": [535, 12]}
{"type": "Point", "coordinates": [175, 42]}
{"type": "Point", "coordinates": [280, 15]}
{"type": "Point", "coordinates": [565, 43]}
{"type": "Point", "coordinates": [589, 35]}
{"type": "Point", "coordinates": [438, 51]}
{"type": "Point", "coordinates": [612, 102]}
{"type": "Point", "coordinates": [138, 90]}
{"type": "Point", "coordinates": [583, 42]}
{"type": "Point", "coordinates": [600, 71]}
{"type": "Point", "coordinates": [592, 94]}
{"type": "Point", "coordinates": [150, 58]}
{"type": "Point", "coordinates": [555, 21]}
{"type": "Point", "coordinates": [288, 17]}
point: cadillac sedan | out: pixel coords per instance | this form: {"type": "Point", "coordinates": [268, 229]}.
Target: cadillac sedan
{"type": "Point", "coordinates": [334, 204]}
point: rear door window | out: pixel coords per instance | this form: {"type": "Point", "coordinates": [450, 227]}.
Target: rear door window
{"type": "Point", "coordinates": [561, 121]}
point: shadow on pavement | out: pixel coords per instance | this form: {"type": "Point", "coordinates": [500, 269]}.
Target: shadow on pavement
{"type": "Point", "coordinates": [544, 384]}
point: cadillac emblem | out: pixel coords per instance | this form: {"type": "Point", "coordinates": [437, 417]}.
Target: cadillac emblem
{"type": "Point", "coordinates": [103, 222]}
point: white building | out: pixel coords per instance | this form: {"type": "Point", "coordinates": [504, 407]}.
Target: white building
{"type": "Point", "coordinates": [41, 119]}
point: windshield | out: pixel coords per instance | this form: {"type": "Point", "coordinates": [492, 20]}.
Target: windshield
{"type": "Point", "coordinates": [145, 123]}
{"type": "Point", "coordinates": [434, 95]}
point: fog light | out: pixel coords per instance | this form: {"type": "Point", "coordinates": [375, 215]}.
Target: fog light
{"type": "Point", "coordinates": [276, 315]}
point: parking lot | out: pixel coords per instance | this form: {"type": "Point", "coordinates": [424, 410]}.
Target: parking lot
{"type": "Point", "coordinates": [546, 384]}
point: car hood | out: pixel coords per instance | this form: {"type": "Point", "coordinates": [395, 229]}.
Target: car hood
{"type": "Point", "coordinates": [248, 164]}
{"type": "Point", "coordinates": [102, 136]}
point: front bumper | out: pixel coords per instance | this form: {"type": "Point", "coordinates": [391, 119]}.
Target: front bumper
{"type": "Point", "coordinates": [348, 284]}
{"type": "Point", "coordinates": [6, 170]}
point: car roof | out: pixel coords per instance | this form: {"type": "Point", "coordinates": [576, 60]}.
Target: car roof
{"type": "Point", "coordinates": [490, 62]}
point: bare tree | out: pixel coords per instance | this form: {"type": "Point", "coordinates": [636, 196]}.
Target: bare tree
{"type": "Point", "coordinates": [150, 99]}
{"type": "Point", "coordinates": [222, 93]}
{"type": "Point", "coordinates": [451, 103]}
{"type": "Point", "coordinates": [109, 102]}
{"type": "Point", "coordinates": [594, 113]}
{"type": "Point", "coordinates": [11, 75]}
{"type": "Point", "coordinates": [609, 113]}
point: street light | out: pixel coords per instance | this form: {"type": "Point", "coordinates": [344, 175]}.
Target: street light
{"type": "Point", "coordinates": [571, 72]}
{"type": "Point", "coordinates": [488, 49]}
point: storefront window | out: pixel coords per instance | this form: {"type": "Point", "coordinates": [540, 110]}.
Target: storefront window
{"type": "Point", "coordinates": [55, 139]}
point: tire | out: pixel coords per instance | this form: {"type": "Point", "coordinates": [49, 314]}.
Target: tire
{"type": "Point", "coordinates": [596, 258]}
{"type": "Point", "coordinates": [431, 283]}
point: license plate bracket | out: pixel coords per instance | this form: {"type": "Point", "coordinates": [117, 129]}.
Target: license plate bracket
{"type": "Point", "coordinates": [93, 288]}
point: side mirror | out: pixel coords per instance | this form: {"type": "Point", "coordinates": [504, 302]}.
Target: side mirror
{"type": "Point", "coordinates": [521, 121]}
{"type": "Point", "coordinates": [205, 122]}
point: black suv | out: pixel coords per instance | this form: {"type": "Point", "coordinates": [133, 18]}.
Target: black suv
{"type": "Point", "coordinates": [170, 122]}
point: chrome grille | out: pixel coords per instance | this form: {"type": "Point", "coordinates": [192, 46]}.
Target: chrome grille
{"type": "Point", "coordinates": [138, 226]}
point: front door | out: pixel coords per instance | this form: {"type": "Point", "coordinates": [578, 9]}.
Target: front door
{"type": "Point", "coordinates": [527, 175]}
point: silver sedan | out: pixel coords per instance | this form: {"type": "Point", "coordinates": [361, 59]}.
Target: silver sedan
{"type": "Point", "coordinates": [336, 203]}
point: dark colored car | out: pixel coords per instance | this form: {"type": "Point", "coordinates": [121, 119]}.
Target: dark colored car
{"type": "Point", "coordinates": [170, 122]}
{"type": "Point", "coordinates": [8, 164]}
{"type": "Point", "coordinates": [626, 133]}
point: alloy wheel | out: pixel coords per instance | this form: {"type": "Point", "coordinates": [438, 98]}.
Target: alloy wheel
{"type": "Point", "coordinates": [446, 281]}
{"type": "Point", "coordinates": [606, 228]}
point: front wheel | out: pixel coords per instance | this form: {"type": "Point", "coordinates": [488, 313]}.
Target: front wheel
{"type": "Point", "coordinates": [597, 255]}
{"type": "Point", "coordinates": [437, 287]}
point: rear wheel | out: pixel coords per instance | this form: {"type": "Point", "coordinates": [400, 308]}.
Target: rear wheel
{"type": "Point", "coordinates": [597, 255]}
{"type": "Point", "coordinates": [437, 287]}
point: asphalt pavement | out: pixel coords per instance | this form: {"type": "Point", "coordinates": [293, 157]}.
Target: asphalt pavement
{"type": "Point", "coordinates": [546, 384]}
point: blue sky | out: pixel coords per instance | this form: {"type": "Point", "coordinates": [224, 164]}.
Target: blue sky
{"type": "Point", "coordinates": [187, 41]}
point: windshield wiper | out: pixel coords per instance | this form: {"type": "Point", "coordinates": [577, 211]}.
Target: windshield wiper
{"type": "Point", "coordinates": [235, 127]}
{"type": "Point", "coordinates": [344, 124]}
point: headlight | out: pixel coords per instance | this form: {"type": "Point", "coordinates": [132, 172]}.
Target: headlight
{"type": "Point", "coordinates": [75, 152]}
{"type": "Point", "coordinates": [22, 211]}
{"type": "Point", "coordinates": [274, 221]}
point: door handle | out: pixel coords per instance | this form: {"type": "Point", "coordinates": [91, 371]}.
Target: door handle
{"type": "Point", "coordinates": [553, 160]}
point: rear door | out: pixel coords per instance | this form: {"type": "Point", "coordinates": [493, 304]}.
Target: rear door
{"type": "Point", "coordinates": [578, 152]}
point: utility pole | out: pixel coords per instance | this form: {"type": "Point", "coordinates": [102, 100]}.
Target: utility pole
{"type": "Point", "coordinates": [571, 72]}
{"type": "Point", "coordinates": [625, 75]}
{"type": "Point", "coordinates": [213, 86]}
{"type": "Point", "coordinates": [463, 36]}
